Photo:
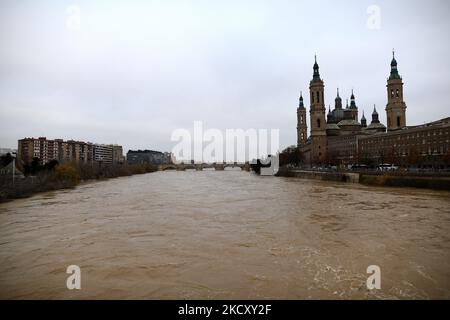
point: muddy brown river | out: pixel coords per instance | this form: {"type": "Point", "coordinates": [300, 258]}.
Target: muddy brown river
{"type": "Point", "coordinates": [226, 235]}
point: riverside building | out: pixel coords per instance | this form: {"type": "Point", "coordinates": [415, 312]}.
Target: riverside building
{"type": "Point", "coordinates": [339, 138]}
{"type": "Point", "coordinates": [67, 151]}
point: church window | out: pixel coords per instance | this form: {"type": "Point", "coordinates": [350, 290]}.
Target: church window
{"type": "Point", "coordinates": [318, 123]}
{"type": "Point", "coordinates": [392, 93]}
{"type": "Point", "coordinates": [318, 97]}
{"type": "Point", "coordinates": [398, 121]}
{"type": "Point", "coordinates": [397, 93]}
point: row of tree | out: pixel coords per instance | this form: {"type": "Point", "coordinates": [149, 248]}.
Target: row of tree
{"type": "Point", "coordinates": [54, 175]}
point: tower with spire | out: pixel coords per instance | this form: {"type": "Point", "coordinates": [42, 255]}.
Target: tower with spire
{"type": "Point", "coordinates": [338, 112]}
{"type": "Point", "coordinates": [375, 126]}
{"type": "Point", "coordinates": [363, 121]}
{"type": "Point", "coordinates": [317, 117]}
{"type": "Point", "coordinates": [353, 107]}
{"type": "Point", "coordinates": [396, 107]}
{"type": "Point", "coordinates": [302, 126]}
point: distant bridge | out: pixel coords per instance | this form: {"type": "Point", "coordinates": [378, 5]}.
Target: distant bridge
{"type": "Point", "coordinates": [203, 166]}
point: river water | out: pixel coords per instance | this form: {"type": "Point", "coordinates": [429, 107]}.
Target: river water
{"type": "Point", "coordinates": [226, 235]}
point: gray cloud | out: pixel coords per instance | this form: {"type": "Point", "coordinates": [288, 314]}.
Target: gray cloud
{"type": "Point", "coordinates": [137, 70]}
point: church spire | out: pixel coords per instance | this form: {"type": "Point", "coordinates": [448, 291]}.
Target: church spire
{"type": "Point", "coordinates": [329, 115]}
{"type": "Point", "coordinates": [375, 118]}
{"type": "Point", "coordinates": [301, 104]}
{"type": "Point", "coordinates": [338, 101]}
{"type": "Point", "coordinates": [352, 101]}
{"type": "Point", "coordinates": [394, 69]}
{"type": "Point", "coordinates": [316, 75]}
{"type": "Point", "coordinates": [363, 121]}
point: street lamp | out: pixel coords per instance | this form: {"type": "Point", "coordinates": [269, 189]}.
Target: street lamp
{"type": "Point", "coordinates": [13, 169]}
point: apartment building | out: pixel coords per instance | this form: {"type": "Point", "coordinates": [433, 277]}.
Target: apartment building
{"type": "Point", "coordinates": [67, 151]}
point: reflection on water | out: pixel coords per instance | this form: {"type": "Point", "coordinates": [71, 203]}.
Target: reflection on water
{"type": "Point", "coordinates": [226, 235]}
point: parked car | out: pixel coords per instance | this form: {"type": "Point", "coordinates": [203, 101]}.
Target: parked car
{"type": "Point", "coordinates": [387, 167]}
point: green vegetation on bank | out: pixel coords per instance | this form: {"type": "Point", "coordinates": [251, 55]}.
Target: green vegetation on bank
{"type": "Point", "coordinates": [54, 176]}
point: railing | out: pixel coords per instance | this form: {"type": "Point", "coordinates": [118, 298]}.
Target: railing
{"type": "Point", "coordinates": [398, 173]}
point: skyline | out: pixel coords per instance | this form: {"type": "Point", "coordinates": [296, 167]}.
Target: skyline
{"type": "Point", "coordinates": [133, 73]}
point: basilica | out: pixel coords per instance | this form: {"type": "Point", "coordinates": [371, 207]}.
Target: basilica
{"type": "Point", "coordinates": [339, 136]}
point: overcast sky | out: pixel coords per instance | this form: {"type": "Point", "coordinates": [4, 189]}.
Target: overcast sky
{"type": "Point", "coordinates": [134, 71]}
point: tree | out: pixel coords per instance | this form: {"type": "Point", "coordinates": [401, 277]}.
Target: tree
{"type": "Point", "coordinates": [35, 166]}
{"type": "Point", "coordinates": [51, 165]}
{"type": "Point", "coordinates": [363, 158]}
{"type": "Point", "coordinates": [67, 173]}
{"type": "Point", "coordinates": [413, 158]}
{"type": "Point", "coordinates": [290, 156]}
{"type": "Point", "coordinates": [392, 156]}
{"type": "Point", "coordinates": [6, 159]}
{"type": "Point", "coordinates": [447, 158]}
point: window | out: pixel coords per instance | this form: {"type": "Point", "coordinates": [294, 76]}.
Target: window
{"type": "Point", "coordinates": [318, 96]}
{"type": "Point", "coordinates": [398, 121]}
{"type": "Point", "coordinates": [318, 123]}
{"type": "Point", "coordinates": [392, 93]}
{"type": "Point", "coordinates": [397, 93]}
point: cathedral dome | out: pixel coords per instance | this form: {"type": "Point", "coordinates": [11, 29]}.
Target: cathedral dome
{"type": "Point", "coordinates": [333, 129]}
{"type": "Point", "coordinates": [338, 115]}
{"type": "Point", "coordinates": [330, 117]}
{"type": "Point", "coordinates": [376, 127]}
{"type": "Point", "coordinates": [348, 122]}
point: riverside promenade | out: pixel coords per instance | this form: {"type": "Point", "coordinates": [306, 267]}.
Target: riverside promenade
{"type": "Point", "coordinates": [387, 179]}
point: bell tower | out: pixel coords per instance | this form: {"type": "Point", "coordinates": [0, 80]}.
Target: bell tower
{"type": "Point", "coordinates": [353, 107]}
{"type": "Point", "coordinates": [302, 127]}
{"type": "Point", "coordinates": [317, 118]}
{"type": "Point", "coordinates": [396, 107]}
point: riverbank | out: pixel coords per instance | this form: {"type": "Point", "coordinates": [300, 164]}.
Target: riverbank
{"type": "Point", "coordinates": [66, 176]}
{"type": "Point", "coordinates": [381, 180]}
{"type": "Point", "coordinates": [386, 180]}
{"type": "Point", "coordinates": [326, 176]}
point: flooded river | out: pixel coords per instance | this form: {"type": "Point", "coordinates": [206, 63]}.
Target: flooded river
{"type": "Point", "coordinates": [226, 235]}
